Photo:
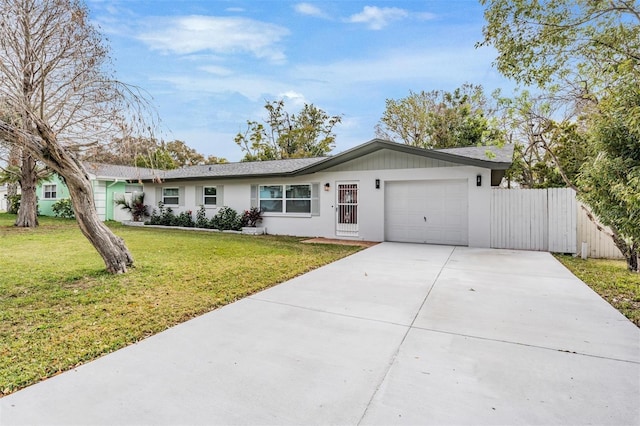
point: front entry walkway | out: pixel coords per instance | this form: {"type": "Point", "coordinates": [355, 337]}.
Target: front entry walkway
{"type": "Point", "coordinates": [395, 334]}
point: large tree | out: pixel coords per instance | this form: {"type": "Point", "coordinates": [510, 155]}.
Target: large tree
{"type": "Point", "coordinates": [309, 133]}
{"type": "Point", "coordinates": [54, 75]}
{"type": "Point", "coordinates": [440, 119]}
{"type": "Point", "coordinates": [22, 170]}
{"type": "Point", "coordinates": [550, 146]}
{"type": "Point", "coordinates": [148, 152]}
{"type": "Point", "coordinates": [588, 53]}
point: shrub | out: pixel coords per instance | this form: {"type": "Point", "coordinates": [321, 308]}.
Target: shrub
{"type": "Point", "coordinates": [167, 218]}
{"type": "Point", "coordinates": [252, 217]}
{"type": "Point", "coordinates": [201, 218]}
{"type": "Point", "coordinates": [227, 219]}
{"type": "Point", "coordinates": [164, 216]}
{"type": "Point", "coordinates": [63, 208]}
{"type": "Point", "coordinates": [184, 219]}
{"type": "Point", "coordinates": [136, 206]}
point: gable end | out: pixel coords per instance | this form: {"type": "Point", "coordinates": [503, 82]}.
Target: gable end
{"type": "Point", "coordinates": [386, 159]}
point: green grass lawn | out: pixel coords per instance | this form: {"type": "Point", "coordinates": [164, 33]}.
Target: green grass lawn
{"type": "Point", "coordinates": [59, 309]}
{"type": "Point", "coordinates": [611, 280]}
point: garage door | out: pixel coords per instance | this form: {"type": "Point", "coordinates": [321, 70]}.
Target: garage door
{"type": "Point", "coordinates": [432, 212]}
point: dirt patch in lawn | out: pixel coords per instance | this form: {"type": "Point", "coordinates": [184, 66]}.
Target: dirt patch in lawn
{"type": "Point", "coordinates": [341, 242]}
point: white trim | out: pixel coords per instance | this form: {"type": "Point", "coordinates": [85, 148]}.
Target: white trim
{"type": "Point", "coordinates": [204, 197]}
{"type": "Point", "coordinates": [55, 191]}
{"type": "Point", "coordinates": [284, 199]}
{"type": "Point", "coordinates": [171, 196]}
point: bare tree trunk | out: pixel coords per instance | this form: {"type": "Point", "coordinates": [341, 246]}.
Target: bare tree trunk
{"type": "Point", "coordinates": [114, 252]}
{"type": "Point", "coordinates": [28, 212]}
{"type": "Point", "coordinates": [12, 191]}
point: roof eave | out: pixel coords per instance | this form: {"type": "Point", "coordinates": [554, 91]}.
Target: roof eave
{"type": "Point", "coordinates": [231, 177]}
{"type": "Point", "coordinates": [378, 144]}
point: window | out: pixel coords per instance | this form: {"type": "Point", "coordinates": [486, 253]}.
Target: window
{"type": "Point", "coordinates": [271, 198]}
{"type": "Point", "coordinates": [50, 192]}
{"type": "Point", "coordinates": [210, 196]}
{"type": "Point", "coordinates": [171, 196]}
{"type": "Point", "coordinates": [285, 198]}
{"type": "Point", "coordinates": [298, 199]}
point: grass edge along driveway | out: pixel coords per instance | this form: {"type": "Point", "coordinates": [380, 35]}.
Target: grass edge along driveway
{"type": "Point", "coordinates": [59, 309]}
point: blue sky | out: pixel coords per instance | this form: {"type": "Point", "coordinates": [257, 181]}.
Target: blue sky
{"type": "Point", "coordinates": [211, 65]}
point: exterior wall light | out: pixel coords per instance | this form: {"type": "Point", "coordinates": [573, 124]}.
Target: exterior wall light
{"type": "Point", "coordinates": [327, 186]}
{"type": "Point", "coordinates": [479, 180]}
{"type": "Point", "coordinates": [377, 183]}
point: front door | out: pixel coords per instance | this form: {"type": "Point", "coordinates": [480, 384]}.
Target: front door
{"type": "Point", "coordinates": [347, 209]}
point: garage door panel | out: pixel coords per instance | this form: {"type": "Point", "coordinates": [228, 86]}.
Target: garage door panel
{"type": "Point", "coordinates": [427, 211]}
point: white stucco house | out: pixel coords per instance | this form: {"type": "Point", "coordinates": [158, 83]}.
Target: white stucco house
{"type": "Point", "coordinates": [377, 191]}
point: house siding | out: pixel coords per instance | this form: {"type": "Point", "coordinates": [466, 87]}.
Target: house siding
{"type": "Point", "coordinates": [100, 198]}
{"type": "Point", "coordinates": [45, 206]}
{"type": "Point", "coordinates": [112, 188]}
{"type": "Point", "coordinates": [387, 159]}
{"type": "Point", "coordinates": [237, 195]}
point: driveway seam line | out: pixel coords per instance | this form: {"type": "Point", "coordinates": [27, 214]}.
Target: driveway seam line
{"type": "Point", "coordinates": [527, 345]}
{"type": "Point", "coordinates": [395, 355]}
{"type": "Point", "coordinates": [327, 312]}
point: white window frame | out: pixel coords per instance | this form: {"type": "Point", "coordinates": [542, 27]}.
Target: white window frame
{"type": "Point", "coordinates": [284, 199]}
{"type": "Point", "coordinates": [205, 196]}
{"type": "Point", "coordinates": [53, 194]}
{"type": "Point", "coordinates": [177, 196]}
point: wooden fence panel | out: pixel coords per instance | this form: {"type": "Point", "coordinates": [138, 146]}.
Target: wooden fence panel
{"type": "Point", "coordinates": [519, 219]}
{"type": "Point", "coordinates": [546, 220]}
{"type": "Point", "coordinates": [597, 236]}
{"type": "Point", "coordinates": [562, 220]}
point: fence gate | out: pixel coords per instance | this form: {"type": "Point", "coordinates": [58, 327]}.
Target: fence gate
{"type": "Point", "coordinates": [534, 219]}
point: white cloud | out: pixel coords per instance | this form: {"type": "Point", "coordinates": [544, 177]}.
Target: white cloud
{"type": "Point", "coordinates": [377, 18]}
{"type": "Point", "coordinates": [224, 35]}
{"type": "Point", "coordinates": [216, 69]}
{"type": "Point", "coordinates": [293, 98]}
{"type": "Point", "coordinates": [309, 9]}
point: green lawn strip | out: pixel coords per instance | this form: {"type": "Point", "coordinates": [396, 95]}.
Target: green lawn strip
{"type": "Point", "coordinates": [611, 280]}
{"type": "Point", "coordinates": [59, 309]}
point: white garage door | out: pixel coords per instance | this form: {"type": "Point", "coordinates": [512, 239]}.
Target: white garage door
{"type": "Point", "coordinates": [432, 212]}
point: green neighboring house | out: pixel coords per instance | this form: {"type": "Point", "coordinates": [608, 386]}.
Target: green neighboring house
{"type": "Point", "coordinates": [110, 182]}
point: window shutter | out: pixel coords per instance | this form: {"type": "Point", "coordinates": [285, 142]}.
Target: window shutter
{"type": "Point", "coordinates": [315, 199]}
{"type": "Point", "coordinates": [199, 196]}
{"type": "Point", "coordinates": [158, 195]}
{"type": "Point", "coordinates": [219, 195]}
{"type": "Point", "coordinates": [181, 196]}
{"type": "Point", "coordinates": [254, 195]}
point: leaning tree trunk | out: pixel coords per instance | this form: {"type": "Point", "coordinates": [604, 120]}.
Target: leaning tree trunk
{"type": "Point", "coordinates": [114, 252]}
{"type": "Point", "coordinates": [28, 212]}
{"type": "Point", "coordinates": [46, 148]}
{"type": "Point", "coordinates": [629, 251]}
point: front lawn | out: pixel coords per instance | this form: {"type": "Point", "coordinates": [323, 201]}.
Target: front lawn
{"type": "Point", "coordinates": [611, 280]}
{"type": "Point", "coordinates": [59, 309]}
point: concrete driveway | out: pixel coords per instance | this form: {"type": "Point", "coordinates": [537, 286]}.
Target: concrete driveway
{"type": "Point", "coordinates": [395, 334]}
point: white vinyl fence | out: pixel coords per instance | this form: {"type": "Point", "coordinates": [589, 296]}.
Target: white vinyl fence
{"type": "Point", "coordinates": [547, 220]}
{"type": "Point", "coordinates": [534, 219]}
{"type": "Point", "coordinates": [597, 237]}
